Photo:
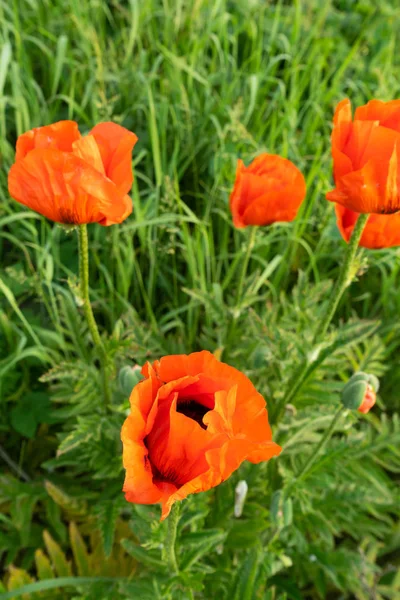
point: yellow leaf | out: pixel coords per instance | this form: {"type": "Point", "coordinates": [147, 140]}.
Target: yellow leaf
{"type": "Point", "coordinates": [59, 562]}
{"type": "Point", "coordinates": [79, 550]}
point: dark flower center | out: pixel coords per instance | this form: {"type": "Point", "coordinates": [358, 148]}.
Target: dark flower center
{"type": "Point", "coordinates": [68, 216]}
{"type": "Point", "coordinates": [192, 409]}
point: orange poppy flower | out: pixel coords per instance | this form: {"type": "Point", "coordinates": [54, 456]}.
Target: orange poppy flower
{"type": "Point", "coordinates": [366, 154]}
{"type": "Point", "coordinates": [73, 179]}
{"type": "Point", "coordinates": [381, 231]}
{"type": "Point", "coordinates": [269, 190]}
{"type": "Point", "coordinates": [193, 421]}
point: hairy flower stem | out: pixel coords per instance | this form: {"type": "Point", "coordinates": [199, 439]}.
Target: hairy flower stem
{"type": "Point", "coordinates": [245, 264]}
{"type": "Point", "coordinates": [239, 291]}
{"type": "Point", "coordinates": [345, 278]}
{"type": "Point", "coordinates": [169, 548]}
{"type": "Point", "coordinates": [87, 307]}
{"type": "Point", "coordinates": [317, 451]}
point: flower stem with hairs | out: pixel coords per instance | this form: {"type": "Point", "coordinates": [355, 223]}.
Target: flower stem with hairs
{"type": "Point", "coordinates": [87, 307]}
{"type": "Point", "coordinates": [250, 245]}
{"type": "Point", "coordinates": [317, 451]}
{"type": "Point", "coordinates": [169, 548]}
{"type": "Point", "coordinates": [346, 276]}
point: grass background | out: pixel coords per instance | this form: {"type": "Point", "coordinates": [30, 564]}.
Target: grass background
{"type": "Point", "coordinates": [201, 82]}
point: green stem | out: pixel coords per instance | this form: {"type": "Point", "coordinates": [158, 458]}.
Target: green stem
{"type": "Point", "coordinates": [87, 307]}
{"type": "Point", "coordinates": [169, 548]}
{"type": "Point", "coordinates": [315, 453]}
{"type": "Point", "coordinates": [245, 264]}
{"type": "Point", "coordinates": [345, 278]}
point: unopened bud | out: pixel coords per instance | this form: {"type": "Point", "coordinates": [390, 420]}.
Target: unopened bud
{"type": "Point", "coordinates": [240, 497]}
{"type": "Point", "coordinates": [128, 377]}
{"type": "Point", "coordinates": [360, 391]}
{"type": "Point", "coordinates": [281, 510]}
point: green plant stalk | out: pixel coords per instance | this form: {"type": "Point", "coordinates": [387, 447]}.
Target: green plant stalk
{"type": "Point", "coordinates": [239, 292]}
{"type": "Point", "coordinates": [345, 279]}
{"type": "Point", "coordinates": [245, 264]}
{"type": "Point", "coordinates": [315, 453]}
{"type": "Point", "coordinates": [87, 307]}
{"type": "Point", "coordinates": [169, 554]}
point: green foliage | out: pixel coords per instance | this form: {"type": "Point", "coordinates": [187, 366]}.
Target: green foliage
{"type": "Point", "coordinates": [201, 83]}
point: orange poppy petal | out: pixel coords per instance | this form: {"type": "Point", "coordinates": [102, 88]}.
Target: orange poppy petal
{"type": "Point", "coordinates": [221, 418]}
{"type": "Point", "coordinates": [222, 461]}
{"type": "Point", "coordinates": [87, 149]}
{"type": "Point", "coordinates": [356, 147]}
{"type": "Point", "coordinates": [372, 189]}
{"type": "Point", "coordinates": [177, 445]}
{"type": "Point", "coordinates": [58, 136]}
{"type": "Point", "coordinates": [385, 112]}
{"type": "Point", "coordinates": [381, 231]}
{"type": "Point", "coordinates": [175, 366]}
{"type": "Point", "coordinates": [63, 188]}
{"type": "Point", "coordinates": [270, 208]}
{"type": "Point", "coordinates": [116, 144]}
{"type": "Point", "coordinates": [379, 145]}
{"type": "Point", "coordinates": [238, 196]}
{"type": "Point", "coordinates": [138, 485]}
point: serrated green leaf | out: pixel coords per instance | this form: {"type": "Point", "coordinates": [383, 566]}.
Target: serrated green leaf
{"type": "Point", "coordinates": [73, 440]}
{"type": "Point", "coordinates": [106, 516]}
{"type": "Point", "coordinates": [142, 556]}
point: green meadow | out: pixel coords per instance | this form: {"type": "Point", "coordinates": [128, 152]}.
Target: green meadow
{"type": "Point", "coordinates": [201, 83]}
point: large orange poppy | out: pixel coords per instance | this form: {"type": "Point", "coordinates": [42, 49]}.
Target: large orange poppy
{"type": "Point", "coordinates": [366, 154]}
{"type": "Point", "coordinates": [73, 179]}
{"type": "Point", "coordinates": [269, 190]}
{"type": "Point", "coordinates": [193, 421]}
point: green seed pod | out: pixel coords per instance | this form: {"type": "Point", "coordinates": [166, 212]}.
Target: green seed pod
{"type": "Point", "coordinates": [128, 377]}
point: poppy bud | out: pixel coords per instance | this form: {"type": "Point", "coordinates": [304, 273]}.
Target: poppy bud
{"type": "Point", "coordinates": [276, 508]}
{"type": "Point", "coordinates": [240, 497]}
{"type": "Point", "coordinates": [360, 391]}
{"type": "Point", "coordinates": [287, 512]}
{"type": "Point", "coordinates": [128, 377]}
{"type": "Point", "coordinates": [281, 510]}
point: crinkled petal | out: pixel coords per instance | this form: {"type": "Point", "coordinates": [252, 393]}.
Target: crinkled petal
{"type": "Point", "coordinates": [59, 136]}
{"type": "Point", "coordinates": [116, 144]}
{"type": "Point", "coordinates": [222, 461]}
{"type": "Point", "coordinates": [65, 189]}
{"type": "Point", "coordinates": [275, 207]}
{"type": "Point", "coordinates": [381, 231]}
{"type": "Point", "coordinates": [237, 199]}
{"type": "Point", "coordinates": [387, 113]}
{"type": "Point", "coordinates": [372, 189]}
{"type": "Point", "coordinates": [87, 149]}
{"type": "Point", "coordinates": [342, 127]}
